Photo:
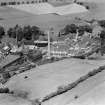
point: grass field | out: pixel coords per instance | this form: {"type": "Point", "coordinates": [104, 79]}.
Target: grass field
{"type": "Point", "coordinates": [46, 78]}
{"type": "Point", "coordinates": [12, 16]}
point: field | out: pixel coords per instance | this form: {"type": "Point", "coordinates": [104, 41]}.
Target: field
{"type": "Point", "coordinates": [12, 16]}
{"type": "Point", "coordinates": [46, 78]}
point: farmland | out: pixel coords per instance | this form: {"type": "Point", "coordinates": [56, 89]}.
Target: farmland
{"type": "Point", "coordinates": [12, 16]}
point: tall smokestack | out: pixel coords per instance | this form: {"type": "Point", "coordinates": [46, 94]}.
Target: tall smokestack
{"type": "Point", "coordinates": [48, 33]}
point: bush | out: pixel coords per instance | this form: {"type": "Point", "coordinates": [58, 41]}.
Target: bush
{"type": "Point", "coordinates": [6, 75]}
{"type": "Point", "coordinates": [36, 102]}
{"type": "Point", "coordinates": [95, 71]}
{"type": "Point", "coordinates": [23, 2]}
{"type": "Point", "coordinates": [18, 3]}
{"type": "Point", "coordinates": [72, 85]}
{"type": "Point", "coordinates": [32, 2]}
{"type": "Point", "coordinates": [81, 79]}
{"type": "Point", "coordinates": [102, 67]}
{"type": "Point", "coordinates": [102, 23]}
{"type": "Point", "coordinates": [87, 7]}
{"type": "Point", "coordinates": [76, 97]}
{"type": "Point", "coordinates": [91, 73]}
{"type": "Point", "coordinates": [61, 89]}
{"type": "Point", "coordinates": [4, 90]}
{"type": "Point", "coordinates": [3, 4]}
{"type": "Point", "coordinates": [28, 2]}
{"type": "Point", "coordinates": [49, 96]}
{"type": "Point", "coordinates": [80, 3]}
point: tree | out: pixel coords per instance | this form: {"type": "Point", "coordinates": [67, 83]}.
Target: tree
{"type": "Point", "coordinates": [18, 3]}
{"type": "Point", "coordinates": [102, 23]}
{"type": "Point", "coordinates": [70, 29]}
{"type": "Point", "coordinates": [19, 33]}
{"type": "Point", "coordinates": [27, 32]}
{"type": "Point", "coordinates": [9, 32]}
{"type": "Point", "coordinates": [32, 2]}
{"type": "Point", "coordinates": [23, 2]}
{"type": "Point", "coordinates": [16, 32]}
{"type": "Point", "coordinates": [102, 38]}
{"type": "Point", "coordinates": [88, 28]}
{"type": "Point", "coordinates": [85, 28]}
{"type": "Point", "coordinates": [81, 30]}
{"type": "Point", "coordinates": [27, 2]}
{"type": "Point", "coordinates": [2, 32]}
{"type": "Point", "coordinates": [35, 32]}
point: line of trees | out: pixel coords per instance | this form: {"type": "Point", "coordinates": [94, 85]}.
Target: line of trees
{"type": "Point", "coordinates": [22, 2]}
{"type": "Point", "coordinates": [72, 28]}
{"type": "Point", "coordinates": [26, 32]}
